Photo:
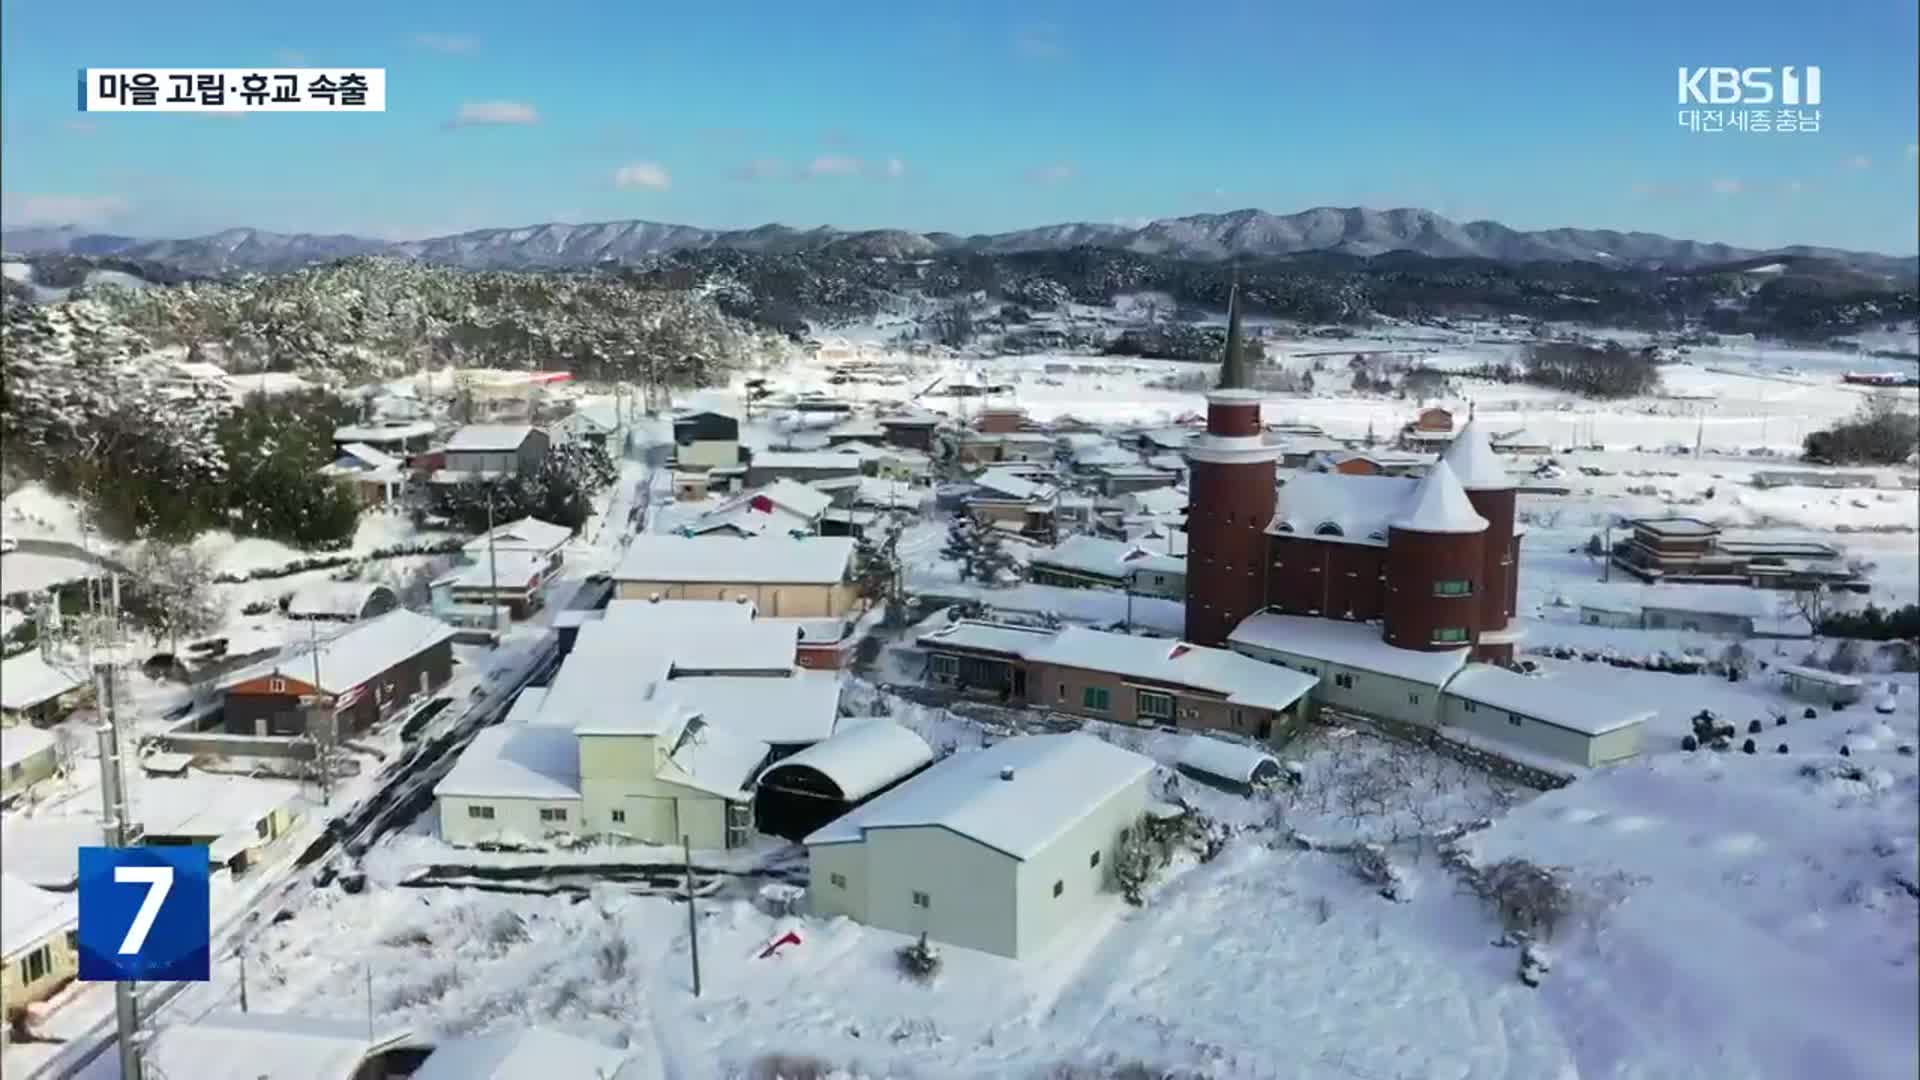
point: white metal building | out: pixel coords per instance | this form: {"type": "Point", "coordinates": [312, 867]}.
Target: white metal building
{"type": "Point", "coordinates": [1357, 670]}
{"type": "Point", "coordinates": [997, 849]}
{"type": "Point", "coordinates": [1567, 716]}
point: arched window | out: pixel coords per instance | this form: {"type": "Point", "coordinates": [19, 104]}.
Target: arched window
{"type": "Point", "coordinates": [1327, 528]}
{"type": "Point", "coordinates": [1285, 527]}
{"type": "Point", "coordinates": [1376, 535]}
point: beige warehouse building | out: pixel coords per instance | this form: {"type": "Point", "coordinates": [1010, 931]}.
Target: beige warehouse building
{"type": "Point", "coordinates": [782, 577]}
{"type": "Point", "coordinates": [996, 850]}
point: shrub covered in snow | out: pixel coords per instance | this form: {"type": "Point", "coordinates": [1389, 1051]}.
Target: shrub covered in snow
{"type": "Point", "coordinates": [1528, 897]}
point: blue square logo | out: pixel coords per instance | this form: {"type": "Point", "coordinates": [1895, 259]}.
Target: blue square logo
{"type": "Point", "coordinates": [144, 914]}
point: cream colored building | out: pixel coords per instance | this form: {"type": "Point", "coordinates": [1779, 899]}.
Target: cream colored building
{"type": "Point", "coordinates": [28, 755]}
{"type": "Point", "coordinates": [781, 576]}
{"type": "Point", "coordinates": [997, 850]}
{"type": "Point", "coordinates": [36, 942]}
{"type": "Point", "coordinates": [653, 731]}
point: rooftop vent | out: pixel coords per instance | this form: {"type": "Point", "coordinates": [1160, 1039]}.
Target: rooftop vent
{"type": "Point", "coordinates": [653, 598]}
{"type": "Point", "coordinates": [1006, 773]}
{"type": "Point", "coordinates": [740, 598]}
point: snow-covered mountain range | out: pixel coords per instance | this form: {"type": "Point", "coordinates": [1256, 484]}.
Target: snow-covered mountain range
{"type": "Point", "coordinates": [1257, 233]}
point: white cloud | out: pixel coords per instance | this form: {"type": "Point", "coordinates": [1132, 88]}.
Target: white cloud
{"type": "Point", "coordinates": [1726, 186]}
{"type": "Point", "coordinates": [1858, 161]}
{"type": "Point", "coordinates": [895, 168]}
{"type": "Point", "coordinates": [643, 174]}
{"type": "Point", "coordinates": [447, 43]}
{"type": "Point", "coordinates": [1057, 173]}
{"type": "Point", "coordinates": [833, 165]}
{"type": "Point", "coordinates": [496, 112]}
{"type": "Point", "coordinates": [92, 211]}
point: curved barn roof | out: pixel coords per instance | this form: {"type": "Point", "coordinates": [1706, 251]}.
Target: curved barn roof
{"type": "Point", "coordinates": [863, 759]}
{"type": "Point", "coordinates": [1227, 760]}
{"type": "Point", "coordinates": [337, 599]}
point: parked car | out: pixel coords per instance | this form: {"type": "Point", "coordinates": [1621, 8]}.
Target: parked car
{"type": "Point", "coordinates": [8, 543]}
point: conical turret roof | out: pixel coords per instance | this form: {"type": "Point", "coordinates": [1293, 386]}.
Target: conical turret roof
{"type": "Point", "coordinates": [1473, 461]}
{"type": "Point", "coordinates": [1233, 367]}
{"type": "Point", "coordinates": [1440, 505]}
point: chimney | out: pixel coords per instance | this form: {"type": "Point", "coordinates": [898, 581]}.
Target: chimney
{"type": "Point", "coordinates": [1006, 773]}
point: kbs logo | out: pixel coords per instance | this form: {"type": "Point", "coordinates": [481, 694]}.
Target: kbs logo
{"type": "Point", "coordinates": [1749, 86]}
{"type": "Point", "coordinates": [144, 914]}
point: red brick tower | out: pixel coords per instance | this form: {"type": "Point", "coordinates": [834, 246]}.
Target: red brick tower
{"type": "Point", "coordinates": [1230, 500]}
{"type": "Point", "coordinates": [1491, 491]}
{"type": "Point", "coordinates": [1434, 566]}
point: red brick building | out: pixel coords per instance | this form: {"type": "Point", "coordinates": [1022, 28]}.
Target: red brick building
{"type": "Point", "coordinates": [1434, 558]}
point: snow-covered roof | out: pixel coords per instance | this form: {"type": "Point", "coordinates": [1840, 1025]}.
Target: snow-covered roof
{"type": "Point", "coordinates": [802, 707]}
{"type": "Point", "coordinates": [712, 759]}
{"type": "Point", "coordinates": [1240, 679]}
{"type": "Point", "coordinates": [1013, 486]}
{"type": "Point", "coordinates": [479, 438]}
{"type": "Point", "coordinates": [1358, 506]}
{"type": "Point", "coordinates": [28, 680]}
{"type": "Point", "coordinates": [1090, 555]}
{"type": "Point", "coordinates": [862, 759]}
{"type": "Point", "coordinates": [605, 686]}
{"type": "Point", "coordinates": [527, 534]}
{"type": "Point", "coordinates": [1348, 644]}
{"type": "Point", "coordinates": [1473, 462]}
{"type": "Point", "coordinates": [804, 460]}
{"type": "Point", "coordinates": [534, 1053]}
{"type": "Point", "coordinates": [376, 433]}
{"type": "Point", "coordinates": [1227, 760]}
{"type": "Point", "coordinates": [30, 915]}
{"type": "Point", "coordinates": [355, 654]}
{"type": "Point", "coordinates": [512, 568]}
{"type": "Point", "coordinates": [1055, 782]}
{"type": "Point", "coordinates": [858, 429]}
{"type": "Point", "coordinates": [252, 1045]}
{"type": "Point", "coordinates": [699, 641]}
{"type": "Point", "coordinates": [1168, 438]}
{"type": "Point", "coordinates": [1813, 674]}
{"type": "Point", "coordinates": [516, 761]}
{"type": "Point", "coordinates": [1683, 597]}
{"type": "Point", "coordinates": [202, 806]}
{"type": "Point", "coordinates": [599, 416]}
{"type": "Point", "coordinates": [789, 495]}
{"type": "Point", "coordinates": [337, 599]}
{"type": "Point", "coordinates": [984, 636]}
{"type": "Point", "coordinates": [1103, 453]}
{"type": "Point", "coordinates": [1572, 698]}
{"type": "Point", "coordinates": [18, 742]}
{"type": "Point", "coordinates": [44, 850]}
{"type": "Point", "coordinates": [878, 491]}
{"type": "Point", "coordinates": [1676, 526]}
{"type": "Point", "coordinates": [748, 520]}
{"type": "Point", "coordinates": [1440, 505]}
{"type": "Point", "coordinates": [1310, 444]}
{"type": "Point", "coordinates": [811, 560]}
{"type": "Point", "coordinates": [372, 458]}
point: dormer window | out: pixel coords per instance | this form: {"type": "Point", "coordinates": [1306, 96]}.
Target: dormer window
{"type": "Point", "coordinates": [1328, 528]}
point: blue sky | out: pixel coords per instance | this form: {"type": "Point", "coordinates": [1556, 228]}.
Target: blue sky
{"type": "Point", "coordinates": [981, 116]}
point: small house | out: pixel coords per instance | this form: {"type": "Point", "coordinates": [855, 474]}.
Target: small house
{"type": "Point", "coordinates": [38, 947]}
{"type": "Point", "coordinates": [493, 451]}
{"type": "Point", "coordinates": [505, 580]}
{"type": "Point", "coordinates": [530, 535]}
{"type": "Point", "coordinates": [705, 440]}
{"type": "Point", "coordinates": [376, 477]}
{"type": "Point", "coordinates": [1000, 419]}
{"type": "Point", "coordinates": [398, 439]}
{"type": "Point", "coordinates": [533, 1053]}
{"type": "Point", "coordinates": [1824, 687]}
{"type": "Point", "coordinates": [28, 755]}
{"type": "Point", "coordinates": [596, 423]}
{"type": "Point", "coordinates": [1002, 497]}
{"type": "Point", "coordinates": [998, 849]}
{"type": "Point", "coordinates": [359, 676]}
{"type": "Point", "coordinates": [766, 466]}
{"type": "Point", "coordinates": [34, 691]}
{"type": "Point", "coordinates": [341, 601]}
{"type": "Point", "coordinates": [237, 818]}
{"type": "Point", "coordinates": [910, 430]}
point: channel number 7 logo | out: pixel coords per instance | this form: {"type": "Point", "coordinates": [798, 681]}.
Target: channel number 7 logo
{"type": "Point", "coordinates": [144, 914]}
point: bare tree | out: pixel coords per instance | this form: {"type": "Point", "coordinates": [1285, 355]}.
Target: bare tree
{"type": "Point", "coordinates": [66, 748]}
{"type": "Point", "coordinates": [1809, 604]}
{"type": "Point", "coordinates": [175, 595]}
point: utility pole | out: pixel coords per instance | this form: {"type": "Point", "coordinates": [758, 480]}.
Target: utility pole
{"type": "Point", "coordinates": [693, 924]}
{"type": "Point", "coordinates": [322, 726]}
{"type": "Point", "coordinates": [241, 952]}
{"type": "Point", "coordinates": [493, 569]}
{"type": "Point", "coordinates": [115, 823]}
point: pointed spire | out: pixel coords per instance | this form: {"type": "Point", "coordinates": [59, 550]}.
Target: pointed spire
{"type": "Point", "coordinates": [1233, 367]}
